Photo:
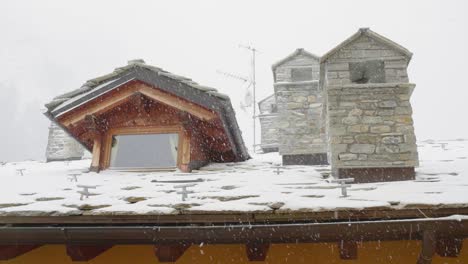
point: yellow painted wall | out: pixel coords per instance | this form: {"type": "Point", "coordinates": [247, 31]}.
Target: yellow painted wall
{"type": "Point", "coordinates": [398, 252]}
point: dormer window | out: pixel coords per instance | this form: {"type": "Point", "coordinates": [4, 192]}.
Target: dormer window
{"type": "Point", "coordinates": [371, 71]}
{"type": "Point", "coordinates": [301, 74]}
{"type": "Point", "coordinates": [144, 151]}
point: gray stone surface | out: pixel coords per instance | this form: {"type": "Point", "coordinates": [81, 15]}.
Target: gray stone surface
{"type": "Point", "coordinates": [300, 103]}
{"type": "Point", "coordinates": [268, 124]}
{"type": "Point", "coordinates": [369, 117]}
{"type": "Point", "coordinates": [61, 146]}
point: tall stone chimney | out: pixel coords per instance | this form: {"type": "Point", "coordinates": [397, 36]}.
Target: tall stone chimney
{"type": "Point", "coordinates": [61, 146]}
{"type": "Point", "coordinates": [370, 124]}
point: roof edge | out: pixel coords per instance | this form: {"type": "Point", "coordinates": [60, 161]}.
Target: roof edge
{"type": "Point", "coordinates": [368, 32]}
{"type": "Point", "coordinates": [292, 55]}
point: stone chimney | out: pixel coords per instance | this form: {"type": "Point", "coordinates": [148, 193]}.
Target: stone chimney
{"type": "Point", "coordinates": [301, 120]}
{"type": "Point", "coordinates": [369, 114]}
{"type": "Point", "coordinates": [61, 146]}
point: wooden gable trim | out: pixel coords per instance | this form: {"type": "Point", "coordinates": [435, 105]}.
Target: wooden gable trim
{"type": "Point", "coordinates": [99, 105]}
{"type": "Point", "coordinates": [85, 252]}
{"type": "Point", "coordinates": [12, 251]}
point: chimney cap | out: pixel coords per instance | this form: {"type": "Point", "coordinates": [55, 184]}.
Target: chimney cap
{"type": "Point", "coordinates": [136, 61]}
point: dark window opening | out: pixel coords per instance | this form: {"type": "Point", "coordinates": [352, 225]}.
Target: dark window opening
{"type": "Point", "coordinates": [367, 71]}
{"type": "Point", "coordinates": [301, 74]}
{"type": "Point", "coordinates": [274, 108]}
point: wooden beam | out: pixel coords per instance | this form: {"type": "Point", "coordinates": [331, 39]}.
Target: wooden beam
{"type": "Point", "coordinates": [170, 252]}
{"type": "Point", "coordinates": [176, 102]}
{"type": "Point", "coordinates": [428, 245]}
{"type": "Point", "coordinates": [348, 249]}
{"type": "Point", "coordinates": [96, 154]}
{"type": "Point", "coordinates": [449, 247]}
{"type": "Point", "coordinates": [257, 251]}
{"type": "Point", "coordinates": [99, 105]}
{"type": "Point", "coordinates": [12, 251]}
{"type": "Point", "coordinates": [85, 253]}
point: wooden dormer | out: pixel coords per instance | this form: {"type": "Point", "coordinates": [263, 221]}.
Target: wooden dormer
{"type": "Point", "coordinates": [142, 118]}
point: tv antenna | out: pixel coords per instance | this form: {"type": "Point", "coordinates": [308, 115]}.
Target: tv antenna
{"type": "Point", "coordinates": [252, 82]}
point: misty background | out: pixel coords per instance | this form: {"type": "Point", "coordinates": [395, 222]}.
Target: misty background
{"type": "Point", "coordinates": [49, 47]}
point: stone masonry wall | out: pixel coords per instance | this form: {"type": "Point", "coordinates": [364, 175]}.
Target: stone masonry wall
{"type": "Point", "coordinates": [369, 121]}
{"type": "Point", "coordinates": [371, 126]}
{"type": "Point", "coordinates": [300, 106]}
{"type": "Point", "coordinates": [61, 146]}
{"type": "Point", "coordinates": [362, 49]}
{"type": "Point", "coordinates": [268, 123]}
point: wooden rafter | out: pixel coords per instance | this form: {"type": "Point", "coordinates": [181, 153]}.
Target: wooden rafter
{"type": "Point", "coordinates": [85, 252]}
{"type": "Point", "coordinates": [170, 252]}
{"type": "Point", "coordinates": [100, 105]}
{"type": "Point", "coordinates": [427, 247]}
{"type": "Point", "coordinates": [348, 249]}
{"type": "Point", "coordinates": [257, 251]}
{"type": "Point", "coordinates": [12, 251]}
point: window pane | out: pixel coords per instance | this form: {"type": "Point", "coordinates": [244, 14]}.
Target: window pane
{"type": "Point", "coordinates": [144, 151]}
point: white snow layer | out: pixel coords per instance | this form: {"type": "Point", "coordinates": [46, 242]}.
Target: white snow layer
{"type": "Point", "coordinates": [37, 188]}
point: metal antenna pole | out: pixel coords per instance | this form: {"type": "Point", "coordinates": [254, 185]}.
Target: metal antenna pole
{"type": "Point", "coordinates": [254, 106]}
{"type": "Point", "coordinates": [254, 100]}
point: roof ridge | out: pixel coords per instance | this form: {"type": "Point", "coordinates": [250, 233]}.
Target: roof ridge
{"type": "Point", "coordinates": [368, 32]}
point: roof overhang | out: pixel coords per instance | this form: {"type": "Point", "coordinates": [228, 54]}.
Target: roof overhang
{"type": "Point", "coordinates": [123, 95]}
{"type": "Point", "coordinates": [408, 229]}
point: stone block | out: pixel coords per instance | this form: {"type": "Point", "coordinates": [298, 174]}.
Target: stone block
{"type": "Point", "coordinates": [340, 148]}
{"type": "Point", "coordinates": [372, 119]}
{"type": "Point", "coordinates": [392, 140]}
{"type": "Point", "coordinates": [404, 119]}
{"type": "Point", "coordinates": [362, 148]}
{"type": "Point", "coordinates": [388, 149]}
{"type": "Point", "coordinates": [358, 128]}
{"type": "Point", "coordinates": [388, 104]}
{"type": "Point", "coordinates": [386, 112]}
{"type": "Point", "coordinates": [347, 156]}
{"type": "Point", "coordinates": [312, 98]}
{"type": "Point", "coordinates": [350, 120]}
{"type": "Point", "coordinates": [355, 112]}
{"type": "Point", "coordinates": [366, 138]}
{"type": "Point", "coordinates": [403, 111]}
{"type": "Point", "coordinates": [380, 129]}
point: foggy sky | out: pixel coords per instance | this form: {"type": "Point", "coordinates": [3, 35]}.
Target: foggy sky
{"type": "Point", "coordinates": [49, 47]}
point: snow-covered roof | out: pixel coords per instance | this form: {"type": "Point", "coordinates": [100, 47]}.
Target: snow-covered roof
{"type": "Point", "coordinates": [33, 188]}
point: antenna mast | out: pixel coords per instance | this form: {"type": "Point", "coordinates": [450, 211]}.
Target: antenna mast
{"type": "Point", "coordinates": [254, 106]}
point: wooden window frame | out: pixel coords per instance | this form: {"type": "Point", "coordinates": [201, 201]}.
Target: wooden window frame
{"type": "Point", "coordinates": [183, 152]}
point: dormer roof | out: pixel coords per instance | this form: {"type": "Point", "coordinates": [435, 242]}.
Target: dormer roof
{"type": "Point", "coordinates": [172, 84]}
